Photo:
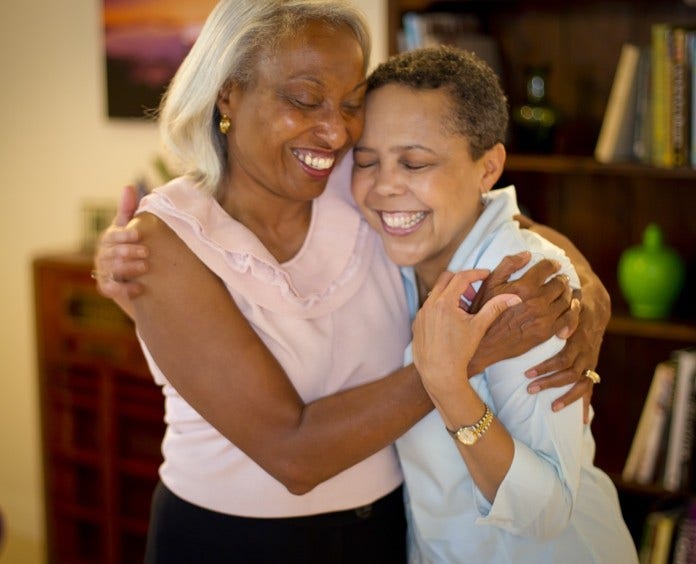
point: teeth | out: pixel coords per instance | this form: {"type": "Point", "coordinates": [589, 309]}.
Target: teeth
{"type": "Point", "coordinates": [402, 220]}
{"type": "Point", "coordinates": [318, 163]}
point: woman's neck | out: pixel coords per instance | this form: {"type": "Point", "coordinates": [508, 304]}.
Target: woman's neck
{"type": "Point", "coordinates": [280, 224]}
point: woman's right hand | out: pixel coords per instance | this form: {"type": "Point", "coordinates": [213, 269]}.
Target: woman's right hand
{"type": "Point", "coordinates": [118, 258]}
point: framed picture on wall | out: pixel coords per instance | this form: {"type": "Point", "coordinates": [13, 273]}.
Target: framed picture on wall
{"type": "Point", "coordinates": [144, 43]}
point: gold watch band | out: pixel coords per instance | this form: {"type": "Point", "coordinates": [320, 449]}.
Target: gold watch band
{"type": "Point", "coordinates": [470, 434]}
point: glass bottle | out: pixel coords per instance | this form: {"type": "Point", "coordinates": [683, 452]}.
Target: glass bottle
{"type": "Point", "coordinates": [535, 121]}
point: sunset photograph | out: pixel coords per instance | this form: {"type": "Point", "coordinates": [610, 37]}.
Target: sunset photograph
{"type": "Point", "coordinates": [145, 41]}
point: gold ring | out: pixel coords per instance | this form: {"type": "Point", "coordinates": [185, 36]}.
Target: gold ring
{"type": "Point", "coordinates": [102, 277]}
{"type": "Point", "coordinates": [592, 375]}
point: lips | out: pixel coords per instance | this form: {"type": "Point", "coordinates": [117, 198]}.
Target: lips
{"type": "Point", "coordinates": [320, 163]}
{"type": "Point", "coordinates": [402, 223]}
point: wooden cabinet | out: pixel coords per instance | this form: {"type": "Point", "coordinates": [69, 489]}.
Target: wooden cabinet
{"type": "Point", "coordinates": [102, 419]}
{"type": "Point", "coordinates": [602, 208]}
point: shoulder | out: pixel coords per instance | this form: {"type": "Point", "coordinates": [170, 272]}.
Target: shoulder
{"type": "Point", "coordinates": [166, 248]}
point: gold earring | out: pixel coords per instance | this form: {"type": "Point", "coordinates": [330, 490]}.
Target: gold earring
{"type": "Point", "coordinates": [224, 124]}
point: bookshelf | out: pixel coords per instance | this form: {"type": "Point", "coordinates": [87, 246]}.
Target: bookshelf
{"type": "Point", "coordinates": [603, 208]}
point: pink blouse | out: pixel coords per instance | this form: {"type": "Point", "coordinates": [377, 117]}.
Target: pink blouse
{"type": "Point", "coordinates": [334, 316]}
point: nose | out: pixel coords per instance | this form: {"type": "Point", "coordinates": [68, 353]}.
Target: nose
{"type": "Point", "coordinates": [336, 129]}
{"type": "Point", "coordinates": [383, 180]}
{"type": "Point", "coordinates": [387, 181]}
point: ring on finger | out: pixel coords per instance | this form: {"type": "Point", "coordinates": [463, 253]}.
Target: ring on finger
{"type": "Point", "coordinates": [592, 375]}
{"type": "Point", "coordinates": [102, 277]}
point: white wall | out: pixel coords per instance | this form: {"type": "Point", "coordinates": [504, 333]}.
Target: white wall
{"type": "Point", "coordinates": [57, 150]}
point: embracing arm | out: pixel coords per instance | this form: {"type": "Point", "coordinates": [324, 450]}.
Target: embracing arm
{"type": "Point", "coordinates": [582, 348]}
{"type": "Point", "coordinates": [220, 366]}
{"type": "Point", "coordinates": [582, 324]}
{"type": "Point", "coordinates": [595, 297]}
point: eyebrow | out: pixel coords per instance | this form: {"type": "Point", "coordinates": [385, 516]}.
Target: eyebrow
{"type": "Point", "coordinates": [398, 148]}
{"type": "Point", "coordinates": [416, 146]}
{"type": "Point", "coordinates": [311, 78]}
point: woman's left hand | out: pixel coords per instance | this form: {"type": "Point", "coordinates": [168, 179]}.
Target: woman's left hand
{"type": "Point", "coordinates": [580, 353]}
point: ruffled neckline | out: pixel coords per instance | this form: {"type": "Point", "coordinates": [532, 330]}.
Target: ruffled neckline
{"type": "Point", "coordinates": [329, 268]}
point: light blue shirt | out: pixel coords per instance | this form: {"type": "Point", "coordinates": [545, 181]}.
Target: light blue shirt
{"type": "Point", "coordinates": [554, 505]}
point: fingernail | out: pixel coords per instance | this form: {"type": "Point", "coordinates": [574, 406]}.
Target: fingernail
{"type": "Point", "coordinates": [556, 264]}
{"type": "Point", "coordinates": [533, 389]}
{"type": "Point", "coordinates": [142, 253]}
{"type": "Point", "coordinates": [563, 333]}
{"type": "Point", "coordinates": [513, 300]}
{"type": "Point", "coordinates": [557, 406]}
{"type": "Point", "coordinates": [531, 373]}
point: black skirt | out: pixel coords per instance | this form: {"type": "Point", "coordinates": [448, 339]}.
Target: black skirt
{"type": "Point", "coordinates": [181, 532]}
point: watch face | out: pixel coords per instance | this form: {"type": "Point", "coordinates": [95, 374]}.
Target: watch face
{"type": "Point", "coordinates": [466, 436]}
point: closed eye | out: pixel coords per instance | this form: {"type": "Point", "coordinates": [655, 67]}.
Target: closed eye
{"type": "Point", "coordinates": [353, 107]}
{"type": "Point", "coordinates": [364, 163]}
{"type": "Point", "coordinates": [364, 158]}
{"type": "Point", "coordinates": [305, 105]}
{"type": "Point", "coordinates": [414, 166]}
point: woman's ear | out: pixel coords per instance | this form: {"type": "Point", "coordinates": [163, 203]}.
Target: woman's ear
{"type": "Point", "coordinates": [226, 99]}
{"type": "Point", "coordinates": [493, 164]}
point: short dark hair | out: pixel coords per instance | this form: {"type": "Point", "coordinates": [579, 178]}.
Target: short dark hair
{"type": "Point", "coordinates": [479, 105]}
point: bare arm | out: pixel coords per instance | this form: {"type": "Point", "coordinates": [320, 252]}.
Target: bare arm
{"type": "Point", "coordinates": [247, 396]}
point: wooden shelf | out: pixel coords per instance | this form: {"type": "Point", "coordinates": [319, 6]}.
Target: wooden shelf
{"type": "Point", "coordinates": [664, 330]}
{"type": "Point", "coordinates": [588, 166]}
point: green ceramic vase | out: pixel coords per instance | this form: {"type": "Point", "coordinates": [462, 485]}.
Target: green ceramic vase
{"type": "Point", "coordinates": [651, 276]}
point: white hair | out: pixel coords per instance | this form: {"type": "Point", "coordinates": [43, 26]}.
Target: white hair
{"type": "Point", "coordinates": [227, 50]}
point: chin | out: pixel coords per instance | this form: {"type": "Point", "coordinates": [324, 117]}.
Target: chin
{"type": "Point", "coordinates": [402, 259]}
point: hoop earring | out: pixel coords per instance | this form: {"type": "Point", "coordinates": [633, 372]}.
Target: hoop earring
{"type": "Point", "coordinates": [225, 124]}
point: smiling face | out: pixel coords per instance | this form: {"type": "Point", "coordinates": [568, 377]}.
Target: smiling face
{"type": "Point", "coordinates": [298, 117]}
{"type": "Point", "coordinates": [414, 178]}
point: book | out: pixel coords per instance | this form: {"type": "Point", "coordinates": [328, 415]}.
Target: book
{"type": "Point", "coordinates": [681, 434]}
{"type": "Point", "coordinates": [664, 537]}
{"type": "Point", "coordinates": [647, 539]}
{"type": "Point", "coordinates": [660, 534]}
{"type": "Point", "coordinates": [642, 126]}
{"type": "Point", "coordinates": [642, 456]}
{"type": "Point", "coordinates": [679, 106]}
{"type": "Point", "coordinates": [436, 28]}
{"type": "Point", "coordinates": [685, 545]}
{"type": "Point", "coordinates": [425, 29]}
{"type": "Point", "coordinates": [615, 141]}
{"type": "Point", "coordinates": [691, 57]}
{"type": "Point", "coordinates": [660, 99]}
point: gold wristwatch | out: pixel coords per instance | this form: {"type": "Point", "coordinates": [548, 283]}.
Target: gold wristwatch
{"type": "Point", "coordinates": [469, 434]}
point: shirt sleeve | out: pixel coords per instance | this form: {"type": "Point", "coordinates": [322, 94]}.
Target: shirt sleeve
{"type": "Point", "coordinates": [537, 495]}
